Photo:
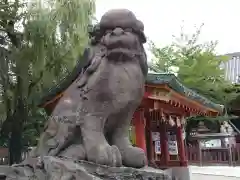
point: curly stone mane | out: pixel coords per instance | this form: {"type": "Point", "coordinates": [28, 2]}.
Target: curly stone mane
{"type": "Point", "coordinates": [104, 46]}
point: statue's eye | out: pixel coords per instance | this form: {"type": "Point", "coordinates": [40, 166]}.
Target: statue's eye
{"type": "Point", "coordinates": [108, 31]}
{"type": "Point", "coordinates": [128, 30]}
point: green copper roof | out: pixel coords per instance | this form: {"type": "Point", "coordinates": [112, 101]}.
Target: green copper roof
{"type": "Point", "coordinates": [173, 82]}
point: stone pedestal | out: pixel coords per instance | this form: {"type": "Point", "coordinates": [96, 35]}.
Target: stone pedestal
{"type": "Point", "coordinates": [66, 169]}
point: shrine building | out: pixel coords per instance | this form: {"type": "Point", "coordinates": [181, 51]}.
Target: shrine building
{"type": "Point", "coordinates": [158, 123]}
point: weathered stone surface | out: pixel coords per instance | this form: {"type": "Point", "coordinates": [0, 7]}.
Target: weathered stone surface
{"type": "Point", "coordinates": [66, 169]}
{"type": "Point", "coordinates": [91, 119]}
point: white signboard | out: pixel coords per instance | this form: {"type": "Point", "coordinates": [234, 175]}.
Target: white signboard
{"type": "Point", "coordinates": [215, 143]}
{"type": "Point", "coordinates": [172, 143]}
{"type": "Point", "coordinates": [157, 147]}
{"type": "Point", "coordinates": [172, 148]}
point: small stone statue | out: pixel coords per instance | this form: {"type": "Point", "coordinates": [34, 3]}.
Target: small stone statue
{"type": "Point", "coordinates": [227, 129]}
{"type": "Point", "coordinates": [92, 118]}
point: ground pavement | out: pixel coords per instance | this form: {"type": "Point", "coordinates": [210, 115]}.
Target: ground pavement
{"type": "Point", "coordinates": [215, 173]}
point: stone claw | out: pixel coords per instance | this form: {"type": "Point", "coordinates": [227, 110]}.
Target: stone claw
{"type": "Point", "coordinates": [116, 156]}
{"type": "Point", "coordinates": [105, 155]}
{"type": "Point", "coordinates": [76, 152]}
{"type": "Point", "coordinates": [133, 157]}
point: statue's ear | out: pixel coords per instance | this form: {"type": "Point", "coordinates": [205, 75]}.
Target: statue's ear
{"type": "Point", "coordinates": [93, 30]}
{"type": "Point", "coordinates": [95, 33]}
{"type": "Point", "coordinates": [140, 25]}
{"type": "Point", "coordinates": [142, 37]}
{"type": "Point", "coordinates": [140, 30]}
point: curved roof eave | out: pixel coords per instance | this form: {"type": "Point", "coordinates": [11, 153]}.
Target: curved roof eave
{"type": "Point", "coordinates": [174, 83]}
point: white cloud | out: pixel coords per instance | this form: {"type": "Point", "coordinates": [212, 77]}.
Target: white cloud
{"type": "Point", "coordinates": [163, 18]}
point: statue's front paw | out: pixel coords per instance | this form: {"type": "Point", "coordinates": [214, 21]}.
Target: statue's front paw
{"type": "Point", "coordinates": [75, 151]}
{"type": "Point", "coordinates": [133, 157]}
{"type": "Point", "coordinates": [105, 155]}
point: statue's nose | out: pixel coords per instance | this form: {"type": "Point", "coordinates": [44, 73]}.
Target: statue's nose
{"type": "Point", "coordinates": [117, 32]}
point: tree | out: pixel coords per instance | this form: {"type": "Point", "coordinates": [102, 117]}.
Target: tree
{"type": "Point", "coordinates": [40, 43]}
{"type": "Point", "coordinates": [196, 65]}
{"type": "Point", "coordinates": [164, 58]}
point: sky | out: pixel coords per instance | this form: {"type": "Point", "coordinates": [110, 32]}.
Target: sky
{"type": "Point", "coordinates": [164, 18]}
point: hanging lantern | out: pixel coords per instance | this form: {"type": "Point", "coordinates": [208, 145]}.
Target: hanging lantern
{"type": "Point", "coordinates": [171, 121]}
{"type": "Point", "coordinates": [144, 121]}
{"type": "Point", "coordinates": [164, 119]}
{"type": "Point", "coordinates": [178, 122]}
{"type": "Point", "coordinates": [183, 120]}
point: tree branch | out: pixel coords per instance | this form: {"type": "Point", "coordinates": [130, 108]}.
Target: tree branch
{"type": "Point", "coordinates": [33, 84]}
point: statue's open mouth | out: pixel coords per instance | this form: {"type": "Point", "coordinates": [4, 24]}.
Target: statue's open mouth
{"type": "Point", "coordinates": [122, 43]}
{"type": "Point", "coordinates": [120, 50]}
{"type": "Point", "coordinates": [122, 53]}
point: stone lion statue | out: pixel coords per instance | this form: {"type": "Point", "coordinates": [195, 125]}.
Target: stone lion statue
{"type": "Point", "coordinates": [91, 120]}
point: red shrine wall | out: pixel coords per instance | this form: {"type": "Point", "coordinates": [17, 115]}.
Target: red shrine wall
{"type": "Point", "coordinates": [139, 126]}
{"type": "Point", "coordinates": [160, 131]}
{"type": "Point", "coordinates": [163, 145]}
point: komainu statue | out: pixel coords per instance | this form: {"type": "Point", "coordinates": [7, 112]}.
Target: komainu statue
{"type": "Point", "coordinates": [91, 118]}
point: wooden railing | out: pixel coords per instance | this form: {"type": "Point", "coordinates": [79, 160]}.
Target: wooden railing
{"type": "Point", "coordinates": [213, 156]}
{"type": "Point", "coordinates": [208, 156]}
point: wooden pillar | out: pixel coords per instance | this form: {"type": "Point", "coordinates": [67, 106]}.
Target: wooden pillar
{"type": "Point", "coordinates": [149, 141]}
{"type": "Point", "coordinates": [164, 140]}
{"type": "Point", "coordinates": [140, 129]}
{"type": "Point", "coordinates": [181, 144]}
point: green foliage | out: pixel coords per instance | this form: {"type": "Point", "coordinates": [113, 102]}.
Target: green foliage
{"type": "Point", "coordinates": [33, 127]}
{"type": "Point", "coordinates": [164, 58]}
{"type": "Point", "coordinates": [40, 42]}
{"type": "Point", "coordinates": [196, 65]}
{"type": "Point", "coordinates": [213, 119]}
{"type": "Point", "coordinates": [57, 35]}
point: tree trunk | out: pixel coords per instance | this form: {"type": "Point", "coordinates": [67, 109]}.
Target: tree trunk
{"type": "Point", "coordinates": [15, 143]}
{"type": "Point", "coordinates": [20, 116]}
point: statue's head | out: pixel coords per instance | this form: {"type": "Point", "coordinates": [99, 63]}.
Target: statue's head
{"type": "Point", "coordinates": [121, 33]}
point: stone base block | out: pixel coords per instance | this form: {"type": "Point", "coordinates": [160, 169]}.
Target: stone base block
{"type": "Point", "coordinates": [66, 169]}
